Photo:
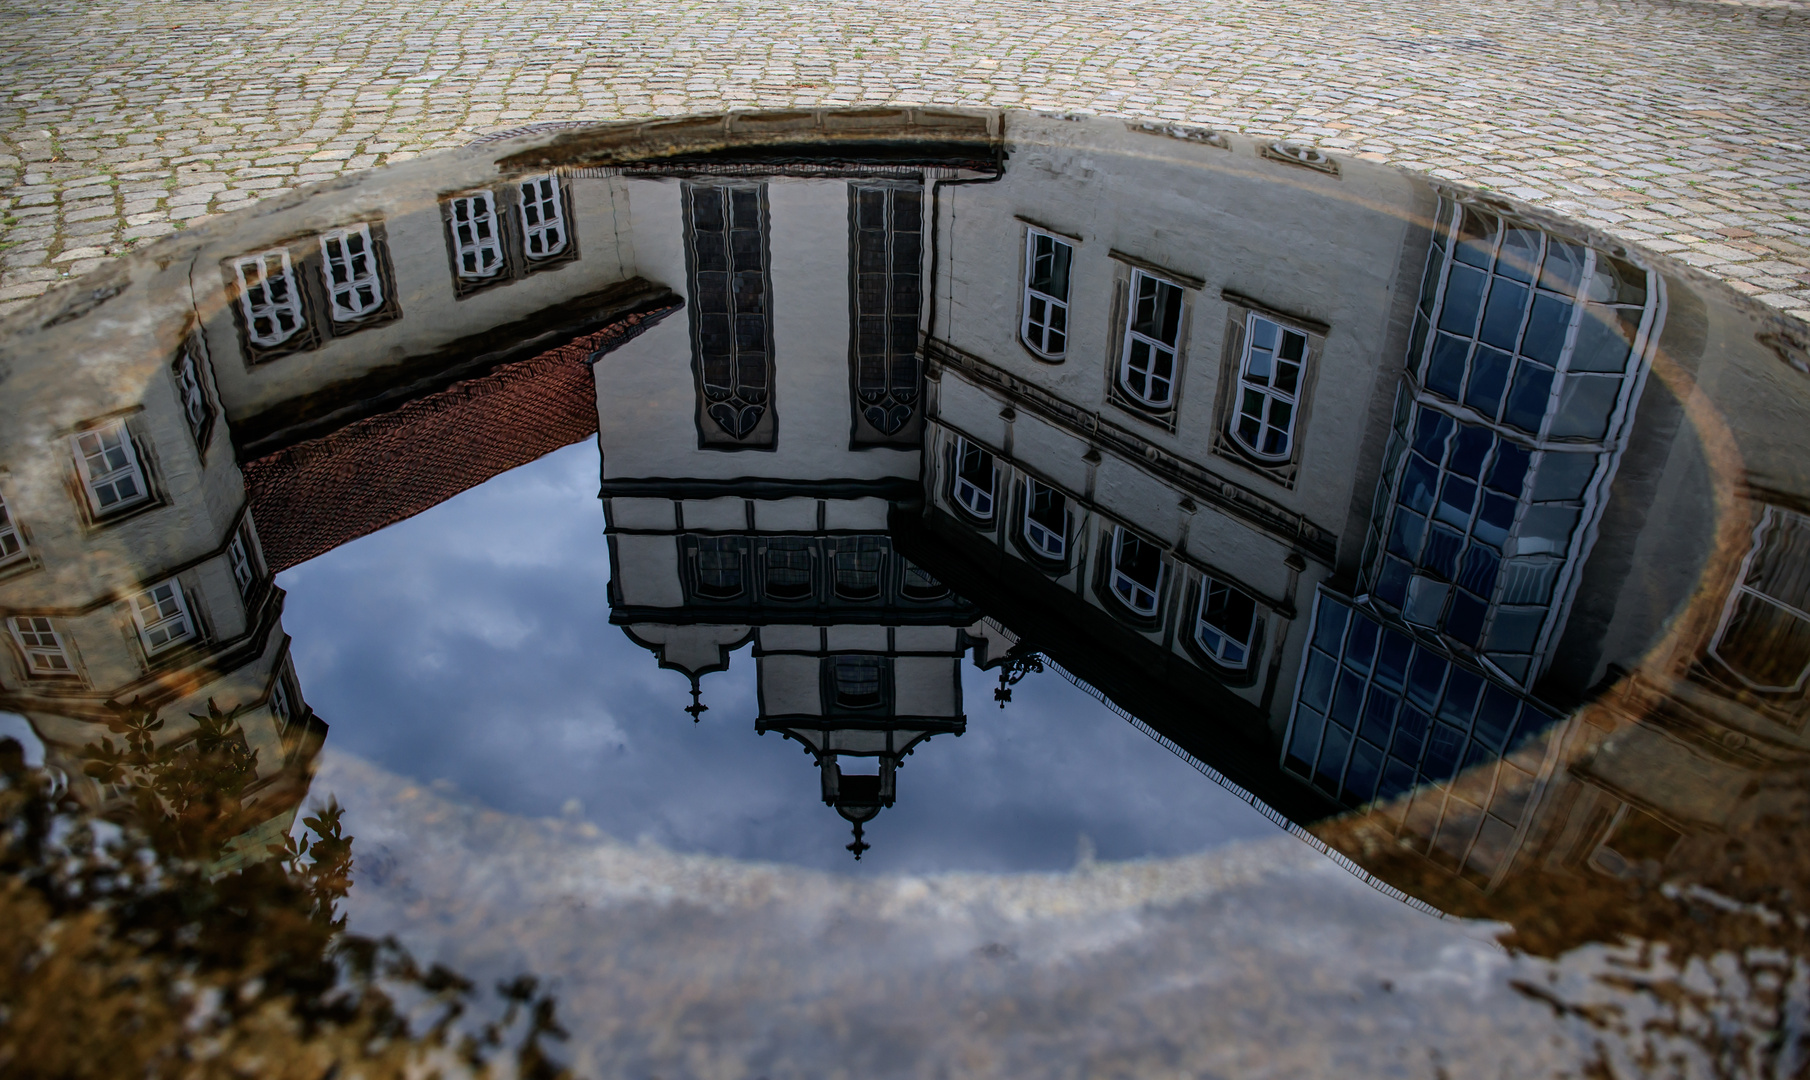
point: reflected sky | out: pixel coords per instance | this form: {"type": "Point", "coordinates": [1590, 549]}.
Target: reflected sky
{"type": "Point", "coordinates": [471, 645]}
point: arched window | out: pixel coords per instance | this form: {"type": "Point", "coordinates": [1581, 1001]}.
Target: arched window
{"type": "Point", "coordinates": [1045, 519]}
{"type": "Point", "coordinates": [789, 569]}
{"type": "Point", "coordinates": [975, 478]}
{"type": "Point", "coordinates": [543, 217]}
{"type": "Point", "coordinates": [859, 564]}
{"type": "Point", "coordinates": [1147, 360]}
{"type": "Point", "coordinates": [1269, 381]}
{"type": "Point", "coordinates": [268, 297]}
{"type": "Point", "coordinates": [477, 242]}
{"type": "Point", "coordinates": [1223, 623]}
{"type": "Point", "coordinates": [1765, 634]}
{"type": "Point", "coordinates": [353, 286]}
{"type": "Point", "coordinates": [726, 228]}
{"type": "Point", "coordinates": [886, 249]}
{"type": "Point", "coordinates": [1046, 263]}
{"type": "Point", "coordinates": [1137, 571]}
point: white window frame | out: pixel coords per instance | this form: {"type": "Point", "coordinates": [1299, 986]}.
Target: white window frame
{"type": "Point", "coordinates": [192, 394]}
{"type": "Point", "coordinates": [1221, 652]}
{"type": "Point", "coordinates": [238, 557]}
{"type": "Point", "coordinates": [95, 482]}
{"type": "Point", "coordinates": [42, 659]}
{"type": "Point", "coordinates": [255, 274]}
{"type": "Point", "coordinates": [1036, 533]}
{"type": "Point", "coordinates": [1133, 589]}
{"type": "Point", "coordinates": [1035, 333]}
{"type": "Point", "coordinates": [468, 235]}
{"type": "Point", "coordinates": [968, 495]}
{"type": "Point", "coordinates": [281, 708]}
{"type": "Point", "coordinates": [543, 212]}
{"type": "Point", "coordinates": [1773, 514]}
{"type": "Point", "coordinates": [347, 273]}
{"type": "Point", "coordinates": [12, 541]}
{"type": "Point", "coordinates": [1269, 394]}
{"type": "Point", "coordinates": [1156, 346]}
{"type": "Point", "coordinates": [158, 611]}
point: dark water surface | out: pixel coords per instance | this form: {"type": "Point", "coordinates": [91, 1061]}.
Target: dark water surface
{"type": "Point", "coordinates": [904, 593]}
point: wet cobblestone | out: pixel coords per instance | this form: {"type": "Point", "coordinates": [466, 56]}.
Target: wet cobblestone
{"type": "Point", "coordinates": [1683, 124]}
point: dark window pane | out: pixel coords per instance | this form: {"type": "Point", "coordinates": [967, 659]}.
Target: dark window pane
{"type": "Point", "coordinates": [1331, 625]}
{"type": "Point", "coordinates": [1461, 694]}
{"type": "Point", "coordinates": [1316, 681]}
{"type": "Point", "coordinates": [1463, 300]}
{"type": "Point", "coordinates": [1489, 376]}
{"type": "Point", "coordinates": [1502, 314]}
{"type": "Point", "coordinates": [1443, 750]}
{"type": "Point", "coordinates": [1495, 717]}
{"type": "Point", "coordinates": [1545, 337]}
{"type": "Point", "coordinates": [1510, 470]}
{"type": "Point", "coordinates": [1392, 583]}
{"type": "Point", "coordinates": [1528, 399]}
{"type": "Point", "coordinates": [1361, 776]}
{"type": "Point", "coordinates": [1445, 371]}
{"type": "Point", "coordinates": [1417, 484]}
{"type": "Point", "coordinates": [1332, 758]}
{"type": "Point", "coordinates": [1410, 734]}
{"type": "Point", "coordinates": [1464, 622]}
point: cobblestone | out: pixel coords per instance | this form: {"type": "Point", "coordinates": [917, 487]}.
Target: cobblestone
{"type": "Point", "coordinates": [1684, 124]}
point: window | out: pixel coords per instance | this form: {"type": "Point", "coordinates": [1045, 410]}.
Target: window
{"type": "Point", "coordinates": [920, 585]}
{"type": "Point", "coordinates": [1136, 572]}
{"type": "Point", "coordinates": [720, 561]}
{"type": "Point", "coordinates": [269, 298]}
{"type": "Point", "coordinates": [109, 467]}
{"type": "Point", "coordinates": [12, 545]}
{"type": "Point", "coordinates": [1147, 362]}
{"type": "Point", "coordinates": [975, 476]}
{"type": "Point", "coordinates": [1046, 265]}
{"type": "Point", "coordinates": [1045, 519]}
{"type": "Point", "coordinates": [349, 262]}
{"type": "Point", "coordinates": [859, 564]}
{"type": "Point", "coordinates": [280, 705]}
{"type": "Point", "coordinates": [193, 396]}
{"type": "Point", "coordinates": [477, 241]}
{"type": "Point", "coordinates": [239, 557]}
{"type": "Point", "coordinates": [1224, 623]}
{"type": "Point", "coordinates": [726, 229]}
{"type": "Point", "coordinates": [886, 248]}
{"type": "Point", "coordinates": [543, 217]}
{"type": "Point", "coordinates": [162, 614]}
{"type": "Point", "coordinates": [41, 645]}
{"type": "Point", "coordinates": [789, 569]}
{"type": "Point", "coordinates": [1765, 633]}
{"type": "Point", "coordinates": [1269, 382]}
{"type": "Point", "coordinates": [857, 682]}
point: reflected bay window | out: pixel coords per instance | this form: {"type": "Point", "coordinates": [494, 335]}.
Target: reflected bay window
{"type": "Point", "coordinates": [162, 616]}
{"type": "Point", "coordinates": [1147, 357]}
{"type": "Point", "coordinates": [859, 564]}
{"type": "Point", "coordinates": [1046, 270]}
{"type": "Point", "coordinates": [1224, 622]}
{"type": "Point", "coordinates": [1765, 633]}
{"type": "Point", "coordinates": [975, 478]}
{"type": "Point", "coordinates": [112, 475]}
{"type": "Point", "coordinates": [1135, 574]}
{"type": "Point", "coordinates": [788, 570]}
{"type": "Point", "coordinates": [1270, 375]}
{"type": "Point", "coordinates": [1045, 519]}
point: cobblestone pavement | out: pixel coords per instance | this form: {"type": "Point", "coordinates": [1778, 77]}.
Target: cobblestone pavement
{"type": "Point", "coordinates": [1684, 124]}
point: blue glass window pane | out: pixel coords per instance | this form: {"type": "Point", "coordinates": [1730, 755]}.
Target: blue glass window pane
{"type": "Point", "coordinates": [1445, 371]}
{"type": "Point", "coordinates": [1362, 645]}
{"type": "Point", "coordinates": [1520, 253]}
{"type": "Point", "coordinates": [1528, 398]}
{"type": "Point", "coordinates": [1463, 299]}
{"type": "Point", "coordinates": [1489, 377]}
{"type": "Point", "coordinates": [1379, 716]}
{"type": "Point", "coordinates": [1476, 238]}
{"type": "Point", "coordinates": [1410, 733]}
{"type": "Point", "coordinates": [1480, 767]}
{"type": "Point", "coordinates": [1464, 622]}
{"type": "Point", "coordinates": [1424, 677]}
{"type": "Point", "coordinates": [1398, 779]}
{"type": "Point", "coordinates": [1585, 402]}
{"type": "Point", "coordinates": [1405, 535]}
{"type": "Point", "coordinates": [1461, 692]}
{"type": "Point", "coordinates": [1443, 750]}
{"type": "Point", "coordinates": [1456, 501]}
{"type": "Point", "coordinates": [1502, 315]}
{"type": "Point", "coordinates": [1494, 520]}
{"type": "Point", "coordinates": [1392, 583]}
{"type": "Point", "coordinates": [1469, 450]}
{"type": "Point", "coordinates": [1563, 477]}
{"type": "Point", "coordinates": [1510, 470]}
{"type": "Point", "coordinates": [1348, 700]}
{"type": "Point", "coordinates": [1442, 551]}
{"type": "Point", "coordinates": [1495, 717]}
{"type": "Point", "coordinates": [1361, 777]}
{"type": "Point", "coordinates": [1305, 741]}
{"type": "Point", "coordinates": [1564, 266]}
{"type": "Point", "coordinates": [1429, 281]}
{"type": "Point", "coordinates": [1514, 630]}
{"type": "Point", "coordinates": [1418, 482]}
{"type": "Point", "coordinates": [1533, 722]}
{"type": "Point", "coordinates": [1430, 432]}
{"type": "Point", "coordinates": [1545, 336]}
{"type": "Point", "coordinates": [1316, 681]}
{"type": "Point", "coordinates": [1331, 624]}
{"type": "Point", "coordinates": [1603, 338]}
{"type": "Point", "coordinates": [1417, 342]}
{"type": "Point", "coordinates": [1332, 759]}
{"type": "Point", "coordinates": [1392, 659]}
{"type": "Point", "coordinates": [1479, 573]}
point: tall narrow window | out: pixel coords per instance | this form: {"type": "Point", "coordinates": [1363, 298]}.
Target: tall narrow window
{"type": "Point", "coordinates": [41, 645]}
{"type": "Point", "coordinates": [975, 477]}
{"type": "Point", "coordinates": [477, 240]}
{"type": "Point", "coordinates": [543, 217]}
{"type": "Point", "coordinates": [162, 614]}
{"type": "Point", "coordinates": [1223, 624]}
{"type": "Point", "coordinates": [1137, 571]}
{"type": "Point", "coordinates": [349, 263]}
{"type": "Point", "coordinates": [1765, 634]}
{"type": "Point", "coordinates": [720, 566]}
{"type": "Point", "coordinates": [280, 705]}
{"type": "Point", "coordinates": [1269, 383]}
{"type": "Point", "coordinates": [887, 251]}
{"type": "Point", "coordinates": [193, 395]}
{"type": "Point", "coordinates": [269, 298]}
{"type": "Point", "coordinates": [1147, 359]}
{"type": "Point", "coordinates": [789, 569]}
{"type": "Point", "coordinates": [110, 468]}
{"type": "Point", "coordinates": [12, 545]}
{"type": "Point", "coordinates": [726, 230]}
{"type": "Point", "coordinates": [860, 563]}
{"type": "Point", "coordinates": [1046, 263]}
{"type": "Point", "coordinates": [239, 556]}
{"type": "Point", "coordinates": [1045, 519]}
